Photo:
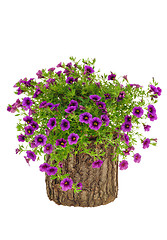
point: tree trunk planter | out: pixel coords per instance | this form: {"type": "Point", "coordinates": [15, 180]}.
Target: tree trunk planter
{"type": "Point", "coordinates": [100, 185]}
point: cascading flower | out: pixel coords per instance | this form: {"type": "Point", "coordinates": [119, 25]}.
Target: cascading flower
{"type": "Point", "coordinates": [73, 103]}
{"type": "Point", "coordinates": [88, 70]}
{"type": "Point", "coordinates": [48, 148]}
{"type": "Point", "coordinates": [70, 109]}
{"type": "Point", "coordinates": [70, 80]}
{"type": "Point", "coordinates": [147, 127]}
{"type": "Point", "coordinates": [43, 167]}
{"type": "Point", "coordinates": [27, 102]}
{"type": "Point", "coordinates": [61, 142]}
{"type": "Point", "coordinates": [101, 105]}
{"type": "Point", "coordinates": [66, 184]}
{"type": "Point", "coordinates": [95, 97]}
{"type": "Point", "coordinates": [21, 138]}
{"type": "Point", "coordinates": [123, 165]}
{"type": "Point", "coordinates": [79, 186]}
{"type": "Point", "coordinates": [51, 171]}
{"type": "Point", "coordinates": [51, 123]}
{"type": "Point", "coordinates": [31, 155]}
{"type": "Point", "coordinates": [105, 119]}
{"type": "Point", "coordinates": [28, 119]}
{"type": "Point", "coordinates": [29, 130]}
{"type": "Point", "coordinates": [138, 111]}
{"type": "Point", "coordinates": [111, 76]}
{"type": "Point", "coordinates": [146, 143]}
{"type": "Point", "coordinates": [73, 138]}
{"type": "Point", "coordinates": [65, 125]}
{"type": "Point", "coordinates": [152, 117]}
{"type": "Point", "coordinates": [95, 123]}
{"type": "Point", "coordinates": [107, 96]}
{"type": "Point", "coordinates": [34, 125]}
{"type": "Point", "coordinates": [40, 140]}
{"type": "Point", "coordinates": [137, 158]}
{"type": "Point", "coordinates": [151, 109]}
{"type": "Point", "coordinates": [126, 126]}
{"type": "Point", "coordinates": [97, 164]}
{"type": "Point", "coordinates": [85, 117]}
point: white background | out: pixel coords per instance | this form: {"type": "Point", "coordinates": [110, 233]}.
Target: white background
{"type": "Point", "coordinates": [126, 37]}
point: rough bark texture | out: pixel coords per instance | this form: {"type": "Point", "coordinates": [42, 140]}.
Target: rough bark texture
{"type": "Point", "coordinates": [100, 185]}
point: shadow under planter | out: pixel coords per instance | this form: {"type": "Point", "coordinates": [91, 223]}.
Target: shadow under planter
{"type": "Point", "coordinates": [100, 185]}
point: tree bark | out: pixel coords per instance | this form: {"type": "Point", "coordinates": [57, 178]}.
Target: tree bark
{"type": "Point", "coordinates": [100, 185]}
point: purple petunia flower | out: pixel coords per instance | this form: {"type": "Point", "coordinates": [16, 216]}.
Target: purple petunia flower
{"type": "Point", "coordinates": [70, 80]}
{"type": "Point", "coordinates": [135, 85]}
{"type": "Point", "coordinates": [34, 125]}
{"type": "Point", "coordinates": [61, 142]}
{"type": "Point", "coordinates": [43, 104]}
{"type": "Point", "coordinates": [60, 164]}
{"type": "Point", "coordinates": [37, 92]}
{"type": "Point", "coordinates": [98, 84]}
{"type": "Point", "coordinates": [152, 117]}
{"type": "Point", "coordinates": [123, 165]}
{"type": "Point", "coordinates": [27, 102]}
{"type": "Point", "coordinates": [79, 186]}
{"type": "Point", "coordinates": [39, 74]}
{"type": "Point", "coordinates": [70, 109]}
{"type": "Point", "coordinates": [95, 97]}
{"type": "Point", "coordinates": [17, 150]}
{"type": "Point", "coordinates": [126, 137]}
{"type": "Point", "coordinates": [31, 111]}
{"type": "Point", "coordinates": [9, 108]}
{"type": "Point", "coordinates": [51, 69]}
{"type": "Point", "coordinates": [138, 111]}
{"type": "Point", "coordinates": [126, 127]}
{"type": "Point", "coordinates": [29, 130]}
{"type": "Point", "coordinates": [59, 65]}
{"type": "Point", "coordinates": [43, 167]}
{"type": "Point", "coordinates": [151, 109]}
{"type": "Point", "coordinates": [105, 119]}
{"type": "Point", "coordinates": [85, 117]}
{"type": "Point", "coordinates": [101, 105]}
{"type": "Point", "coordinates": [128, 118]}
{"type": "Point", "coordinates": [73, 138]}
{"type": "Point", "coordinates": [153, 89]}
{"type": "Point", "coordinates": [33, 145]}
{"type": "Point", "coordinates": [27, 160]}
{"type": "Point", "coordinates": [21, 138]}
{"type": "Point", "coordinates": [31, 155]}
{"type": "Point", "coordinates": [146, 143]}
{"type": "Point", "coordinates": [95, 123]}
{"type": "Point", "coordinates": [88, 70]}
{"type": "Point", "coordinates": [51, 171]}
{"type": "Point", "coordinates": [51, 105]}
{"type": "Point", "coordinates": [107, 96]}
{"type": "Point", "coordinates": [137, 158]}
{"type": "Point", "coordinates": [48, 148]}
{"type": "Point", "coordinates": [40, 140]}
{"type": "Point", "coordinates": [159, 91]}
{"type": "Point", "coordinates": [147, 127]}
{"type": "Point", "coordinates": [19, 91]}
{"type": "Point", "coordinates": [81, 107]}
{"type": "Point", "coordinates": [54, 108]}
{"type": "Point", "coordinates": [69, 64]}
{"type": "Point", "coordinates": [51, 123]}
{"type": "Point", "coordinates": [121, 96]}
{"type": "Point", "coordinates": [111, 76]}
{"type": "Point", "coordinates": [66, 184]}
{"type": "Point", "coordinates": [65, 125]}
{"type": "Point", "coordinates": [47, 131]}
{"type": "Point", "coordinates": [97, 164]}
{"type": "Point", "coordinates": [125, 77]}
{"type": "Point", "coordinates": [59, 73]}
{"type": "Point", "coordinates": [127, 151]}
{"type": "Point", "coordinates": [67, 72]}
{"type": "Point", "coordinates": [104, 110]}
{"type": "Point", "coordinates": [73, 103]}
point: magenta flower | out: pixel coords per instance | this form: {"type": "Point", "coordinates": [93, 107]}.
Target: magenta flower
{"type": "Point", "coordinates": [95, 97]}
{"type": "Point", "coordinates": [121, 96]}
{"type": "Point", "coordinates": [43, 104]}
{"type": "Point", "coordinates": [70, 109]}
{"type": "Point", "coordinates": [17, 150]}
{"type": "Point", "coordinates": [128, 118]}
{"type": "Point", "coordinates": [21, 138]}
{"type": "Point", "coordinates": [98, 84]}
{"type": "Point", "coordinates": [61, 142]}
{"type": "Point", "coordinates": [70, 80]}
{"type": "Point", "coordinates": [54, 108]}
{"type": "Point", "coordinates": [95, 123]}
{"type": "Point", "coordinates": [31, 155]}
{"type": "Point", "coordinates": [27, 102]}
{"type": "Point", "coordinates": [51, 69]}
{"type": "Point", "coordinates": [59, 65]}
{"type": "Point", "coordinates": [123, 165]}
{"type": "Point", "coordinates": [111, 76]}
{"type": "Point", "coordinates": [81, 107]}
{"type": "Point", "coordinates": [101, 105]}
{"type": "Point", "coordinates": [39, 74]}
{"type": "Point", "coordinates": [126, 127]}
{"type": "Point", "coordinates": [34, 125]}
{"type": "Point", "coordinates": [27, 160]}
{"type": "Point", "coordinates": [126, 137]}
{"type": "Point", "coordinates": [73, 138]}
{"type": "Point", "coordinates": [29, 130]}
{"type": "Point", "coordinates": [28, 119]}
{"type": "Point", "coordinates": [51, 123]}
{"type": "Point", "coordinates": [60, 164]}
{"type": "Point", "coordinates": [79, 186]}
{"type": "Point", "coordinates": [151, 109]}
{"type": "Point", "coordinates": [73, 103]}
{"type": "Point", "coordinates": [43, 167]}
{"type": "Point", "coordinates": [97, 164]}
{"type": "Point", "coordinates": [59, 73]}
{"type": "Point", "coordinates": [146, 143]}
{"type": "Point", "coordinates": [138, 111]}
{"type": "Point", "coordinates": [152, 117]}
{"type": "Point", "coordinates": [51, 171]}
{"type": "Point", "coordinates": [66, 184]}
{"type": "Point", "coordinates": [147, 127]}
{"type": "Point", "coordinates": [65, 125]}
{"type": "Point", "coordinates": [127, 151]}
{"type": "Point", "coordinates": [88, 70]}
{"type": "Point", "coordinates": [40, 140]}
{"type": "Point", "coordinates": [137, 158]}
{"type": "Point", "coordinates": [105, 119]}
{"type": "Point", "coordinates": [107, 96]}
{"type": "Point", "coordinates": [48, 148]}
{"type": "Point", "coordinates": [33, 145]}
{"type": "Point", "coordinates": [85, 117]}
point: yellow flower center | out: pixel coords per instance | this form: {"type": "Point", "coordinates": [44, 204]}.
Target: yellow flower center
{"type": "Point", "coordinates": [137, 111]}
{"type": "Point", "coordinates": [95, 123]}
{"type": "Point", "coordinates": [29, 131]}
{"type": "Point", "coordinates": [86, 117]}
{"type": "Point", "coordinates": [73, 138]}
{"type": "Point", "coordinates": [62, 143]}
{"type": "Point", "coordinates": [39, 139]}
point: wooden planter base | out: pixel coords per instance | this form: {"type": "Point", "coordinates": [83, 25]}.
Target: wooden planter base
{"type": "Point", "coordinates": [100, 185]}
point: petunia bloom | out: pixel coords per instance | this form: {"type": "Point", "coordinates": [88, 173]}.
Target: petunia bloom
{"type": "Point", "coordinates": [95, 123]}
{"type": "Point", "coordinates": [29, 130]}
{"type": "Point", "coordinates": [88, 70]}
{"type": "Point", "coordinates": [126, 127]}
{"type": "Point", "coordinates": [97, 164]}
{"type": "Point", "coordinates": [107, 96]}
{"type": "Point", "coordinates": [121, 96]}
{"type": "Point", "coordinates": [147, 127]}
{"type": "Point", "coordinates": [43, 167]}
{"type": "Point", "coordinates": [27, 102]}
{"type": "Point", "coordinates": [65, 124]}
{"type": "Point", "coordinates": [138, 111]}
{"type": "Point", "coordinates": [70, 80]}
{"type": "Point", "coordinates": [34, 125]}
{"type": "Point", "coordinates": [51, 171]}
{"type": "Point", "coordinates": [79, 186]}
{"type": "Point", "coordinates": [40, 140]}
{"type": "Point", "coordinates": [101, 105]}
{"type": "Point", "coordinates": [70, 109]}
{"type": "Point", "coordinates": [73, 103]}
{"type": "Point", "coordinates": [105, 119]}
{"type": "Point", "coordinates": [51, 123]}
{"type": "Point", "coordinates": [146, 143]}
{"type": "Point", "coordinates": [61, 142]}
{"type": "Point", "coordinates": [123, 165]}
{"type": "Point", "coordinates": [95, 97]}
{"type": "Point", "coordinates": [73, 138]}
{"type": "Point", "coordinates": [28, 119]}
{"type": "Point", "coordinates": [111, 76]}
{"type": "Point", "coordinates": [31, 155]}
{"type": "Point", "coordinates": [152, 117]}
{"type": "Point", "coordinates": [48, 148]}
{"type": "Point", "coordinates": [21, 138]}
{"type": "Point", "coordinates": [66, 184]}
{"type": "Point", "coordinates": [137, 158]}
{"type": "Point", "coordinates": [85, 117]}
{"type": "Point", "coordinates": [151, 109]}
